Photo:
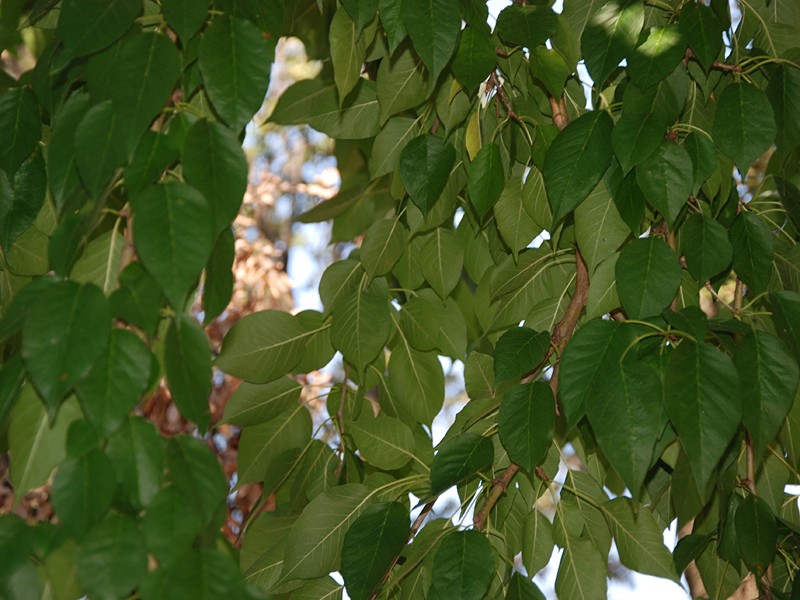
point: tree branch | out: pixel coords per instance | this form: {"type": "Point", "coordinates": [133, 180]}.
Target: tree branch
{"type": "Point", "coordinates": [720, 66]}
{"type": "Point", "coordinates": [494, 83]}
{"type": "Point", "coordinates": [498, 488]}
{"type": "Point", "coordinates": [560, 116]}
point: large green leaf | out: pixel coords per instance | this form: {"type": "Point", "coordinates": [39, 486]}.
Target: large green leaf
{"type": "Point", "coordinates": [185, 16]}
{"type": "Point", "coordinates": [234, 61]}
{"type": "Point", "coordinates": [520, 588]}
{"type": "Point", "coordinates": [88, 25]}
{"type": "Point", "coordinates": [582, 147]}
{"type": "Point", "coordinates": [425, 165]}
{"type": "Point", "coordinates": [582, 572]}
{"type": "Point", "coordinates": [21, 127]}
{"type": "Point", "coordinates": [195, 472]}
{"type": "Point", "coordinates": [170, 511]}
{"type": "Point", "coordinates": [138, 298]}
{"type": "Point", "coordinates": [666, 179]}
{"type": "Point", "coordinates": [704, 156]}
{"type": "Point", "coordinates": [769, 376]}
{"type": "Point", "coordinates": [703, 31]}
{"type": "Point", "coordinates": [636, 137]}
{"type": "Point", "coordinates": [744, 124]}
{"type": "Point", "coordinates": [517, 352]}
{"type": "Point", "coordinates": [603, 296]}
{"type": "Point", "coordinates": [486, 179]}
{"type": "Point", "coordinates": [462, 567]}
{"type": "Point", "coordinates": [537, 541]}
{"type": "Point", "coordinates": [65, 332]}
{"type": "Point", "coordinates": [528, 26]}
{"type": "Point", "coordinates": [173, 232]}
{"type": "Point", "coordinates": [513, 213]}
{"type": "Point", "coordinates": [252, 403]}
{"type": "Point", "coordinates": [475, 58]}
{"type": "Point", "coordinates": [704, 405]}
{"type": "Point", "coordinates": [384, 442]}
{"type": "Point", "coordinates": [610, 35]}
{"type": "Point", "coordinates": [98, 151]}
{"type": "Point", "coordinates": [786, 312]}
{"type": "Point", "coordinates": [660, 50]}
{"type": "Point", "coordinates": [370, 545]}
{"type": "Point", "coordinates": [213, 162]}
{"type": "Point", "coordinates": [391, 140]}
{"type": "Point", "coordinates": [116, 381]}
{"type": "Point", "coordinates": [263, 346]}
{"type": "Point", "coordinates": [361, 324]}
{"type": "Point", "coordinates": [756, 533]}
{"type": "Point", "coordinates": [648, 277]}
{"type": "Point", "coordinates": [362, 11]}
{"type": "Point", "coordinates": [82, 491]}
{"type": "Point", "coordinates": [138, 450]}
{"type": "Point", "coordinates": [783, 92]}
{"type": "Point", "coordinates": [62, 174]}
{"type": "Point", "coordinates": [752, 250]}
{"type": "Point", "coordinates": [383, 244]}
{"type": "Point", "coordinates": [416, 381]}
{"type": "Point", "coordinates": [526, 421]}
{"type": "Point", "coordinates": [187, 362]}
{"type": "Point", "coordinates": [705, 246]}
{"type": "Point", "coordinates": [599, 228]}
{"type": "Point", "coordinates": [21, 198]}
{"type": "Point", "coordinates": [433, 26]}
{"type": "Point", "coordinates": [442, 259]}
{"type": "Point", "coordinates": [348, 50]}
{"type": "Point", "coordinates": [459, 459]}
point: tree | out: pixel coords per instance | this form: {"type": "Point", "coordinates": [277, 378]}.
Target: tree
{"type": "Point", "coordinates": [654, 329]}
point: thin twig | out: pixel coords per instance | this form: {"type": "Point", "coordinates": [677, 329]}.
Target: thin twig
{"type": "Point", "coordinates": [720, 66]}
{"type": "Point", "coordinates": [494, 83]}
{"type": "Point", "coordinates": [719, 298]}
{"type": "Point", "coordinates": [498, 488]}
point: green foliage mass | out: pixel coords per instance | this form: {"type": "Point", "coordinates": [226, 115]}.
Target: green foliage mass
{"type": "Point", "coordinates": [672, 184]}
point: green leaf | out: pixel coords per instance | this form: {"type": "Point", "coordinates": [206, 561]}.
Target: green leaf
{"type": "Point", "coordinates": [526, 421]}
{"type": "Point", "coordinates": [21, 198]}
{"type": "Point", "coordinates": [513, 213]}
{"type": "Point", "coordinates": [479, 376]}
{"type": "Point", "coordinates": [371, 543]}
{"type": "Point", "coordinates": [348, 50]}
{"type": "Point", "coordinates": [383, 245]}
{"type": "Point", "coordinates": [786, 312]}
{"type": "Point", "coordinates": [549, 66]}
{"type": "Point", "coordinates": [21, 127]}
{"type": "Point", "coordinates": [783, 92]}
{"type": "Point", "coordinates": [112, 560]}
{"type": "Point", "coordinates": [98, 151]}
{"type": "Point", "coordinates": [582, 572]}
{"type": "Point", "coordinates": [520, 588]}
{"type": "Point", "coordinates": [582, 147]}
{"type": "Point", "coordinates": [704, 412]}
{"type": "Point", "coordinates": [361, 324]}
{"type": "Point", "coordinates": [599, 229]}
{"type": "Point", "coordinates": [187, 362]}
{"type": "Point", "coordinates": [234, 59]}
{"type": "Point", "coordinates": [185, 16]}
{"type": "Point", "coordinates": [100, 260]}
{"type": "Point", "coordinates": [666, 179]}
{"type": "Point", "coordinates": [417, 381]}
{"type": "Point", "coordinates": [462, 566]}
{"type": "Point", "coordinates": [384, 442]}
{"type": "Point", "coordinates": [704, 158]}
{"type": "Point", "coordinates": [660, 50]}
{"type": "Point", "coordinates": [603, 295]}
{"type": "Point", "coordinates": [769, 377]}
{"type": "Point", "coordinates": [744, 125]}
{"type": "Point", "coordinates": [475, 58]}
{"type": "Point", "coordinates": [703, 31]}
{"type": "Point", "coordinates": [219, 280]}
{"type": "Point", "coordinates": [393, 137]}
{"type": "Point", "coordinates": [65, 332]}
{"type": "Point", "coordinates": [252, 404]}
{"type": "Point", "coordinates": [640, 540]}
{"type": "Point", "coordinates": [116, 381]}
{"type": "Point", "coordinates": [362, 11]}
{"type": "Point", "coordinates": [610, 35]}
{"type": "Point", "coordinates": [61, 170]}
{"type": "Point", "coordinates": [442, 259]}
{"type": "Point", "coordinates": [425, 165]}
{"type": "Point", "coordinates": [200, 574]}
{"type": "Point", "coordinates": [87, 26]}
{"type": "Point", "coordinates": [213, 163]}
{"type": "Point", "coordinates": [195, 472]}
{"type": "Point", "coordinates": [173, 232]}
{"type": "Point", "coordinates": [433, 27]}
{"type": "Point", "coordinates": [517, 352]}
{"type": "Point", "coordinates": [82, 491]}
{"type": "Point", "coordinates": [459, 459]}
{"type": "Point", "coordinates": [537, 541]}
{"type": "Point", "coordinates": [389, 13]}
{"type": "Point", "coordinates": [263, 346]}
{"type": "Point", "coordinates": [705, 246]}
{"type": "Point", "coordinates": [756, 533]}
{"type": "Point", "coordinates": [261, 444]}
{"type": "Point", "coordinates": [627, 417]}
{"type": "Point", "coordinates": [752, 250]}
{"type": "Point", "coordinates": [170, 511]}
{"type": "Point", "coordinates": [486, 179]}
{"type": "Point", "coordinates": [527, 26]}
{"type": "Point", "coordinates": [138, 299]}
{"type": "Point", "coordinates": [648, 277]}
{"type": "Point", "coordinates": [137, 449]}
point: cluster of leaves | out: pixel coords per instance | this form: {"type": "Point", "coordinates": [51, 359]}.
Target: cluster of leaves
{"type": "Point", "coordinates": [458, 147]}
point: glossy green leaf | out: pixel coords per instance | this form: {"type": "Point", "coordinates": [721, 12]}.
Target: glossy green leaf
{"type": "Point", "coordinates": [384, 442]}
{"type": "Point", "coordinates": [537, 541]}
{"type": "Point", "coordinates": [138, 299]}
{"type": "Point", "coordinates": [433, 27]}
{"type": "Point", "coordinates": [154, 153]}
{"type": "Point", "coordinates": [195, 472]}
{"type": "Point", "coordinates": [610, 35]}
{"type": "Point", "coordinates": [138, 451]}
{"type": "Point", "coordinates": [362, 11]}
{"type": "Point", "coordinates": [214, 164]}
{"type": "Point", "coordinates": [112, 560]}
{"type": "Point", "coordinates": [704, 412]}
{"type": "Point", "coordinates": [526, 421]}
{"type": "Point", "coordinates": [648, 276]}
{"type": "Point", "coordinates": [582, 147]}
{"type": "Point", "coordinates": [517, 352]}
{"type": "Point", "coordinates": [21, 198]}
{"type": "Point", "coordinates": [528, 26]}
{"type": "Point", "coordinates": [459, 459]}
{"type": "Point", "coordinates": [185, 16]}
{"type": "Point", "coordinates": [582, 572]}
{"type": "Point", "coordinates": [252, 404]}
{"type": "Point", "coordinates": [603, 295]}
{"type": "Point", "coordinates": [705, 246]}
{"type": "Point", "coordinates": [261, 444]}
{"type": "Point", "coordinates": [442, 259]}
{"type": "Point", "coordinates": [425, 165]}
{"type": "Point", "coordinates": [173, 232]}
{"type": "Point", "coordinates": [660, 50]}
{"type": "Point", "coordinates": [417, 382]}
{"type": "Point", "coordinates": [636, 137]}
{"type": "Point", "coordinates": [599, 228]}
{"type": "Point", "coordinates": [82, 491]}
{"type": "Point", "coordinates": [219, 279]}
{"type": "Point", "coordinates": [474, 59]}
{"type": "Point", "coordinates": [486, 179]}
{"type": "Point", "coordinates": [752, 250]}
{"type": "Point", "coordinates": [462, 566]}
{"type": "Point", "coordinates": [116, 381]}
{"type": "Point", "coordinates": [361, 324]}
{"type": "Point", "coordinates": [87, 26]}
{"type": "Point", "coordinates": [769, 377]}
{"type": "Point", "coordinates": [756, 533]}
{"type": "Point", "coordinates": [65, 332]}
{"type": "Point", "coordinates": [513, 214]}
{"type": "Point", "coordinates": [391, 140]}
{"type": "Point", "coordinates": [348, 50]}
{"type": "Point", "coordinates": [666, 179]}
{"type": "Point", "coordinates": [383, 244]}
{"type": "Point", "coordinates": [187, 362]}
{"type": "Point", "coordinates": [744, 124]}
{"type": "Point", "coordinates": [703, 31]}
{"type": "Point", "coordinates": [234, 61]}
{"type": "Point", "coordinates": [520, 588]}
{"type": "Point", "coordinates": [370, 545]}
{"type": "Point", "coordinates": [704, 158]}
{"type": "Point", "coordinates": [98, 151]}
{"type": "Point", "coordinates": [21, 127]}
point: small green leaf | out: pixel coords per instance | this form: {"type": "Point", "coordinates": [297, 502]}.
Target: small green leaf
{"type": "Point", "coordinates": [138, 299]}
{"type": "Point", "coordinates": [462, 567]}
{"type": "Point", "coordinates": [185, 16]}
{"type": "Point", "coordinates": [744, 124]}
{"type": "Point", "coordinates": [371, 543]}
{"type": "Point", "coordinates": [234, 62]}
{"type": "Point", "coordinates": [195, 472]}
{"type": "Point", "coordinates": [513, 214]}
{"type": "Point", "coordinates": [666, 179]}
{"type": "Point", "coordinates": [98, 151]}
{"type": "Point", "coordinates": [599, 228]}
{"type": "Point", "coordinates": [582, 147]}
{"type": "Point", "coordinates": [517, 352]}
{"type": "Point", "coordinates": [603, 297]}
{"type": "Point", "coordinates": [82, 491]}
{"type": "Point", "coordinates": [527, 26]}
{"type": "Point", "coordinates": [261, 444]}
{"type": "Point", "coordinates": [660, 50]}
{"type": "Point", "coordinates": [704, 158]}
{"type": "Point", "coordinates": [384, 442]}
{"type": "Point", "coordinates": [417, 382]}
{"type": "Point", "coordinates": [582, 572]}
{"type": "Point", "coordinates": [526, 421]}
{"type": "Point", "coordinates": [756, 533]}
{"type": "Point", "coordinates": [393, 137]}
{"type": "Point", "coordinates": [383, 244]}
{"type": "Point", "coordinates": [783, 92]}
{"type": "Point", "coordinates": [549, 66]}
{"type": "Point", "coordinates": [486, 179]}
{"type": "Point", "coordinates": [170, 511]}
{"type": "Point", "coordinates": [459, 459]}
{"type": "Point", "coordinates": [252, 404]}
{"type": "Point", "coordinates": [173, 232]}
{"type": "Point", "coordinates": [87, 26]}
{"type": "Point", "coordinates": [21, 198]}
{"type": "Point", "coordinates": [138, 451]}
{"type": "Point", "coordinates": [21, 127]}
{"type": "Point", "coordinates": [348, 50]}
{"type": "Point", "coordinates": [752, 250]}
{"type": "Point", "coordinates": [187, 362]}
{"type": "Point", "coordinates": [705, 245]}
{"type": "Point", "coordinates": [425, 165]}
{"type": "Point", "coordinates": [610, 35]}
{"type": "Point", "coordinates": [703, 31]}
{"type": "Point", "coordinates": [219, 280]}
{"type": "Point", "coordinates": [433, 27]}
{"type": "Point", "coordinates": [537, 541]}
{"type": "Point", "coordinates": [361, 324]}
{"type": "Point", "coordinates": [442, 259]}
{"type": "Point", "coordinates": [786, 312]}
{"type": "Point", "coordinates": [648, 277]}
{"type": "Point", "coordinates": [475, 58]}
{"type": "Point", "coordinates": [362, 11]}
{"type": "Point", "coordinates": [520, 588]}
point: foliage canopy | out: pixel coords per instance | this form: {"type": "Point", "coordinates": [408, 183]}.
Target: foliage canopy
{"type": "Point", "coordinates": [654, 326]}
